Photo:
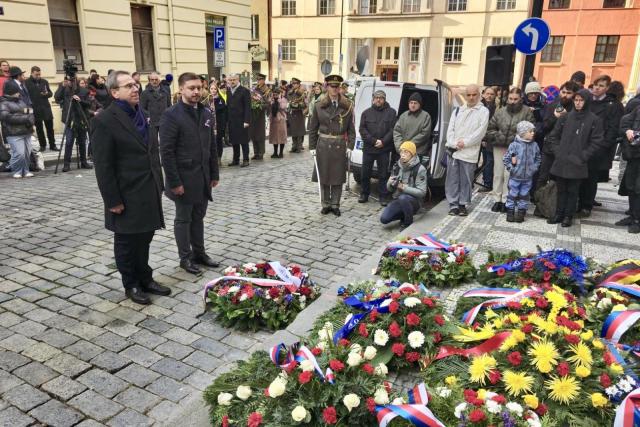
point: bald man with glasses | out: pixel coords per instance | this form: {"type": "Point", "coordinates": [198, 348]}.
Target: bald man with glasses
{"type": "Point", "coordinates": [154, 101]}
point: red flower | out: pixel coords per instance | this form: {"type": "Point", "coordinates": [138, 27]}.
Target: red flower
{"type": "Point", "coordinates": [542, 302]}
{"type": "Point", "coordinates": [371, 404]}
{"type": "Point", "coordinates": [398, 349]}
{"type": "Point", "coordinates": [437, 337]}
{"type": "Point", "coordinates": [546, 276]}
{"type": "Point", "coordinates": [395, 295]}
{"type": "Point", "coordinates": [274, 292]}
{"type": "Point", "coordinates": [438, 319]}
{"type": "Point", "coordinates": [569, 297]}
{"type": "Point", "coordinates": [470, 395]}
{"type": "Point", "coordinates": [336, 365]}
{"type": "Point", "coordinates": [528, 264]}
{"type": "Point", "coordinates": [514, 305]}
{"type": "Point", "coordinates": [304, 377]}
{"type": "Point", "coordinates": [528, 328]}
{"type": "Point", "coordinates": [255, 419]}
{"type": "Point", "coordinates": [362, 330]}
{"type": "Point", "coordinates": [344, 342]}
{"type": "Point", "coordinates": [608, 358]}
{"type": "Point", "coordinates": [270, 272]}
{"type": "Point", "coordinates": [515, 358]}
{"type": "Point", "coordinates": [367, 368]}
{"type": "Point", "coordinates": [428, 302]}
{"type": "Point", "coordinates": [562, 369]}
{"type": "Point", "coordinates": [476, 416]}
{"type": "Point", "coordinates": [477, 402]}
{"type": "Point", "coordinates": [225, 421]}
{"type": "Point", "coordinates": [373, 316]}
{"type": "Point", "coordinates": [499, 399]}
{"type": "Point", "coordinates": [329, 415]}
{"type": "Point", "coordinates": [582, 312]}
{"type": "Point", "coordinates": [394, 329]}
{"type": "Point", "coordinates": [494, 376]}
{"type": "Point", "coordinates": [305, 290]}
{"type": "Point", "coordinates": [550, 265]}
{"type": "Point", "coordinates": [572, 339]}
{"type": "Point", "coordinates": [317, 351]}
{"type": "Point", "coordinates": [412, 356]}
{"type": "Point", "coordinates": [566, 271]}
{"type": "Point", "coordinates": [605, 381]}
{"type": "Point", "coordinates": [394, 306]}
{"type": "Point", "coordinates": [413, 319]}
{"type": "Point", "coordinates": [501, 272]}
{"type": "Point", "coordinates": [541, 409]}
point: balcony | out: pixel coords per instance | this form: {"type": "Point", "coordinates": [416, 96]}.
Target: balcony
{"type": "Point", "coordinates": [376, 9]}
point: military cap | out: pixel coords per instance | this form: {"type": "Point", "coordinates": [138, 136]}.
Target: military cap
{"type": "Point", "coordinates": [295, 80]}
{"type": "Point", "coordinates": [260, 76]}
{"type": "Point", "coordinates": [203, 77]}
{"type": "Point", "coordinates": [317, 84]}
{"type": "Point", "coordinates": [333, 79]}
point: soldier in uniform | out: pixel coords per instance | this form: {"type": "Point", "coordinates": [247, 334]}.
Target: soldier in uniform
{"type": "Point", "coordinates": [331, 138]}
{"type": "Point", "coordinates": [344, 91]}
{"type": "Point", "coordinates": [297, 105]}
{"type": "Point", "coordinates": [260, 96]}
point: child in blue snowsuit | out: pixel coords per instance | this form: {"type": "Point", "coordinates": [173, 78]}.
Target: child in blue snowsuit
{"type": "Point", "coordinates": [522, 160]}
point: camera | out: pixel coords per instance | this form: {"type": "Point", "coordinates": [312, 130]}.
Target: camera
{"type": "Point", "coordinates": [635, 141]}
{"type": "Point", "coordinates": [70, 68]}
{"type": "Point", "coordinates": [560, 109]}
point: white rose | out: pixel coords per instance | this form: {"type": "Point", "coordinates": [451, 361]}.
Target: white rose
{"type": "Point", "coordinates": [403, 251]}
{"type": "Point", "coordinates": [234, 289]}
{"type": "Point", "coordinates": [416, 339]}
{"type": "Point", "coordinates": [443, 392]}
{"type": "Point", "coordinates": [381, 370]}
{"type": "Point", "coordinates": [451, 258]}
{"type": "Point", "coordinates": [243, 392]}
{"type": "Point", "coordinates": [303, 299]}
{"type": "Point", "coordinates": [370, 352]}
{"type": "Point", "coordinates": [351, 401]}
{"type": "Point", "coordinates": [229, 271]}
{"type": "Point", "coordinates": [355, 348]}
{"type": "Point", "coordinates": [224, 399]}
{"type": "Point", "coordinates": [460, 409]}
{"type": "Point", "coordinates": [322, 345]}
{"type": "Point", "coordinates": [243, 297]}
{"type": "Point", "coordinates": [381, 397]}
{"type": "Point", "coordinates": [411, 302]}
{"type": "Point", "coordinates": [380, 338]}
{"type": "Point", "coordinates": [515, 407]}
{"type": "Point", "coordinates": [306, 366]}
{"type": "Point", "coordinates": [322, 335]}
{"type": "Point", "coordinates": [604, 303]}
{"type": "Point", "coordinates": [398, 401]}
{"type": "Point", "coordinates": [354, 359]}
{"type": "Point", "coordinates": [277, 388]}
{"type": "Point", "coordinates": [493, 406]}
{"type": "Point", "coordinates": [299, 413]}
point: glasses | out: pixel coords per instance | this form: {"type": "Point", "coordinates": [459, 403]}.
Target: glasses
{"type": "Point", "coordinates": [128, 86]}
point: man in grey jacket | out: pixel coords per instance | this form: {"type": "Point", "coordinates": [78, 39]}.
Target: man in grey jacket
{"type": "Point", "coordinates": [414, 125]}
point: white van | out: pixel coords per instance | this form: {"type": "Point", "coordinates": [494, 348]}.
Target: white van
{"type": "Point", "coordinates": [439, 101]}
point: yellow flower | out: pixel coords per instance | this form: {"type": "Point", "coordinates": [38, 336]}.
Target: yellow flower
{"type": "Point", "coordinates": [514, 318]}
{"type": "Point", "coordinates": [582, 355]}
{"type": "Point", "coordinates": [598, 400]}
{"type": "Point", "coordinates": [517, 382]}
{"type": "Point", "coordinates": [490, 314]}
{"type": "Point", "coordinates": [480, 368]}
{"type": "Point", "coordinates": [518, 335]}
{"type": "Point", "coordinates": [531, 400]}
{"type": "Point", "coordinates": [563, 389]}
{"type": "Point", "coordinates": [549, 327]}
{"type": "Point", "coordinates": [556, 298]}
{"type": "Point", "coordinates": [527, 302]}
{"type": "Point", "coordinates": [587, 335]}
{"type": "Point", "coordinates": [583, 371]}
{"type": "Point", "coordinates": [616, 368]}
{"type": "Point", "coordinates": [544, 356]}
{"type": "Point", "coordinates": [618, 307]}
{"type": "Point", "coordinates": [509, 343]}
{"type": "Point", "coordinates": [482, 394]}
{"type": "Point", "coordinates": [451, 380]}
{"type": "Point", "coordinates": [597, 343]}
{"type": "Point", "coordinates": [498, 323]}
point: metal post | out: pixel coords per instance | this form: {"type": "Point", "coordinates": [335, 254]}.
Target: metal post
{"type": "Point", "coordinates": [530, 60]}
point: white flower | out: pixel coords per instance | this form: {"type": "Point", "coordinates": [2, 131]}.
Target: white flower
{"type": "Point", "coordinates": [306, 366]}
{"type": "Point", "coordinates": [381, 370]}
{"type": "Point", "coordinates": [398, 401]}
{"type": "Point", "coordinates": [612, 391]}
{"type": "Point", "coordinates": [604, 303]}
{"type": "Point", "coordinates": [354, 359]}
{"type": "Point", "coordinates": [277, 387]}
{"type": "Point", "coordinates": [460, 409]}
{"type": "Point", "coordinates": [515, 407]}
{"type": "Point", "coordinates": [493, 406]}
{"type": "Point", "coordinates": [443, 392]}
{"type": "Point", "coordinates": [234, 289]}
{"type": "Point", "coordinates": [322, 345]}
{"type": "Point", "coordinates": [299, 413]}
{"type": "Point", "coordinates": [224, 399]}
{"type": "Point", "coordinates": [630, 380]}
{"type": "Point", "coordinates": [451, 258]}
{"type": "Point", "coordinates": [351, 401]}
{"type": "Point", "coordinates": [370, 352]}
{"type": "Point", "coordinates": [302, 299]}
{"type": "Point", "coordinates": [411, 301]}
{"type": "Point", "coordinates": [243, 392]}
{"type": "Point", "coordinates": [625, 386]}
{"type": "Point", "coordinates": [380, 338]}
{"type": "Point", "coordinates": [534, 422]}
{"type": "Point", "coordinates": [381, 397]}
{"type": "Point", "coordinates": [416, 339]}
{"type": "Point", "coordinates": [403, 252]}
{"type": "Point", "coordinates": [355, 348]}
{"type": "Point", "coordinates": [489, 395]}
{"type": "Point", "coordinates": [243, 297]}
{"type": "Point", "coordinates": [229, 271]}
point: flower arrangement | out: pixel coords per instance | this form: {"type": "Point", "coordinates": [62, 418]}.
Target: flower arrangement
{"type": "Point", "coordinates": [268, 295]}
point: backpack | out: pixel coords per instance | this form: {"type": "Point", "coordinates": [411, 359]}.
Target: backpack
{"type": "Point", "coordinates": [546, 199]}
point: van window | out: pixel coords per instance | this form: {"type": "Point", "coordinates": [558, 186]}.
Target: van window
{"type": "Point", "coordinates": [429, 102]}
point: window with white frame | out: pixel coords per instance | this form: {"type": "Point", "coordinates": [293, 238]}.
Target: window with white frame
{"type": "Point", "coordinates": [288, 50]}
{"type": "Point", "coordinates": [414, 50]}
{"type": "Point", "coordinates": [368, 7]}
{"type": "Point", "coordinates": [453, 50]}
{"type": "Point", "coordinates": [456, 5]}
{"type": "Point", "coordinates": [326, 7]}
{"type": "Point", "coordinates": [497, 41]}
{"type": "Point", "coordinates": [410, 6]}
{"type": "Point", "coordinates": [506, 4]}
{"type": "Point", "coordinates": [288, 7]}
{"type": "Point", "coordinates": [325, 49]}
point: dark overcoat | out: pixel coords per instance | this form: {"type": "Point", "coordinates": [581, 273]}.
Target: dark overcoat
{"type": "Point", "coordinates": [259, 111]}
{"type": "Point", "coordinates": [297, 105]}
{"type": "Point", "coordinates": [40, 92]}
{"type": "Point", "coordinates": [154, 102]}
{"type": "Point", "coordinates": [239, 113]}
{"type": "Point", "coordinates": [610, 112]}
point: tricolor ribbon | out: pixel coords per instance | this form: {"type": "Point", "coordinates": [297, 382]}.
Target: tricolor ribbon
{"type": "Point", "coordinates": [380, 304]}
{"type": "Point", "coordinates": [626, 272]}
{"type": "Point", "coordinates": [628, 413]}
{"type": "Point", "coordinates": [303, 353]}
{"type": "Point", "coordinates": [427, 242]}
{"type": "Point", "coordinates": [488, 346]}
{"type": "Point", "coordinates": [289, 359]}
{"type": "Point", "coordinates": [617, 323]}
{"type": "Point", "coordinates": [490, 292]}
{"type": "Point", "coordinates": [631, 289]}
{"type": "Point", "coordinates": [416, 411]}
{"type": "Point", "coordinates": [613, 349]}
{"type": "Point", "coordinates": [506, 295]}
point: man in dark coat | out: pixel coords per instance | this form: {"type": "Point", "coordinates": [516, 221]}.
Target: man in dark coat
{"type": "Point", "coordinates": [633, 103]}
{"type": "Point", "coordinates": [297, 105]}
{"type": "Point", "coordinates": [331, 136]}
{"type": "Point", "coordinates": [130, 181]}
{"type": "Point", "coordinates": [239, 114]}
{"type": "Point", "coordinates": [73, 100]}
{"type": "Point", "coordinates": [489, 101]}
{"type": "Point", "coordinates": [154, 101]}
{"type": "Point", "coordinates": [630, 185]}
{"type": "Point", "coordinates": [40, 92]}
{"type": "Point", "coordinates": [190, 164]}
{"type": "Point", "coordinates": [376, 130]}
{"type": "Point", "coordinates": [260, 100]}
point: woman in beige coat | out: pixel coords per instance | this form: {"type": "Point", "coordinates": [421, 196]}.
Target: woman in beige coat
{"type": "Point", "coordinates": [278, 123]}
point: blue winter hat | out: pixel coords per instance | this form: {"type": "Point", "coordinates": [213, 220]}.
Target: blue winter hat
{"type": "Point", "coordinates": [524, 127]}
{"type": "Point", "coordinates": [168, 77]}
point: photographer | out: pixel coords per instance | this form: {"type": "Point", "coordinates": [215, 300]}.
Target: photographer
{"type": "Point", "coordinates": [630, 185]}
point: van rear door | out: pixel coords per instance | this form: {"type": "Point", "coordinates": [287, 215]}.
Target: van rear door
{"type": "Point", "coordinates": [447, 102]}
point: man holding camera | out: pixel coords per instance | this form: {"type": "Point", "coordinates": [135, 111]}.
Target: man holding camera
{"type": "Point", "coordinates": [40, 92]}
{"type": "Point", "coordinates": [630, 185]}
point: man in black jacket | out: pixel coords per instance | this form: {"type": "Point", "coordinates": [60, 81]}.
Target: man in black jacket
{"type": "Point", "coordinates": [376, 130]}
{"type": "Point", "coordinates": [630, 185]}
{"type": "Point", "coordinates": [73, 101]}
{"type": "Point", "coordinates": [40, 92]}
{"type": "Point", "coordinates": [190, 164]}
{"type": "Point", "coordinates": [130, 181]}
{"type": "Point", "coordinates": [239, 109]}
{"type": "Point", "coordinates": [154, 101]}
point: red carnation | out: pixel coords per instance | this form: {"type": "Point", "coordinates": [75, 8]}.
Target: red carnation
{"type": "Point", "coordinates": [255, 419]}
{"type": "Point", "coordinates": [470, 395]}
{"type": "Point", "coordinates": [395, 295]}
{"type": "Point", "coordinates": [582, 312]}
{"type": "Point", "coordinates": [569, 297]}
{"type": "Point", "coordinates": [528, 328]}
{"type": "Point", "coordinates": [225, 421]}
{"type": "Point", "coordinates": [394, 329]}
{"type": "Point", "coordinates": [515, 358]}
{"type": "Point", "coordinates": [317, 351]}
{"type": "Point", "coordinates": [368, 368]}
{"type": "Point", "coordinates": [373, 316]}
{"type": "Point", "coordinates": [546, 276]}
{"type": "Point", "coordinates": [305, 290]}
{"type": "Point", "coordinates": [304, 377]}
{"type": "Point", "coordinates": [541, 409]}
{"type": "Point", "coordinates": [394, 306]}
{"type": "Point", "coordinates": [274, 292]}
{"type": "Point", "coordinates": [605, 381]}
{"type": "Point", "coordinates": [413, 319]}
{"type": "Point", "coordinates": [608, 358]}
{"type": "Point", "coordinates": [398, 349]}
{"type": "Point", "coordinates": [344, 342]}
{"type": "Point", "coordinates": [477, 402]}
{"type": "Point", "coordinates": [438, 319]}
{"type": "Point", "coordinates": [499, 399]}
{"type": "Point", "coordinates": [572, 339]}
{"type": "Point", "coordinates": [501, 272]}
{"type": "Point", "coordinates": [528, 264]}
{"type": "Point", "coordinates": [270, 272]}
{"type": "Point", "coordinates": [494, 376]}
{"type": "Point", "coordinates": [362, 330]}
{"type": "Point", "coordinates": [542, 302]}
{"type": "Point", "coordinates": [371, 404]}
{"type": "Point", "coordinates": [550, 265]}
{"type": "Point", "coordinates": [476, 416]}
{"type": "Point", "coordinates": [562, 369]}
{"type": "Point", "coordinates": [437, 337]}
{"type": "Point", "coordinates": [514, 305]}
{"type": "Point", "coordinates": [412, 356]}
{"type": "Point", "coordinates": [329, 415]}
{"type": "Point", "coordinates": [428, 302]}
{"type": "Point", "coordinates": [566, 271]}
{"type": "Point", "coordinates": [336, 365]}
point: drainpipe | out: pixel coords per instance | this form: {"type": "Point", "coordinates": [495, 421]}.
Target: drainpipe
{"type": "Point", "coordinates": [172, 41]}
{"type": "Point", "coordinates": [269, 41]}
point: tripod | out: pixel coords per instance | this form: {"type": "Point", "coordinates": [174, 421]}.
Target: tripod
{"type": "Point", "coordinates": [69, 122]}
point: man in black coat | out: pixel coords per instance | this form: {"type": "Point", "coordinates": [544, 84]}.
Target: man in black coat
{"type": "Point", "coordinates": [376, 130]}
{"type": "Point", "coordinates": [40, 92]}
{"type": "Point", "coordinates": [190, 164]}
{"type": "Point", "coordinates": [239, 114]}
{"type": "Point", "coordinates": [154, 102]}
{"type": "Point", "coordinates": [633, 103]}
{"type": "Point", "coordinates": [630, 185]}
{"type": "Point", "coordinates": [130, 180]}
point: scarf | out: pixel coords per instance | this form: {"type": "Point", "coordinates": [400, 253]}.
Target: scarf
{"type": "Point", "coordinates": [137, 117]}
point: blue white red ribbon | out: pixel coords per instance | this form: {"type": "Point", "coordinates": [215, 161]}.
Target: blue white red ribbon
{"type": "Point", "coordinates": [283, 273]}
{"type": "Point", "coordinates": [289, 359]}
{"type": "Point", "coordinates": [416, 411]}
{"type": "Point", "coordinates": [617, 323]}
{"type": "Point", "coordinates": [469, 317]}
{"type": "Point", "coordinates": [302, 354]}
{"type": "Point", "coordinates": [491, 292]}
{"type": "Point", "coordinates": [427, 242]}
{"type": "Point", "coordinates": [305, 354]}
{"type": "Point", "coordinates": [631, 289]}
{"type": "Point", "coordinates": [380, 304]}
{"type": "Point", "coordinates": [628, 413]}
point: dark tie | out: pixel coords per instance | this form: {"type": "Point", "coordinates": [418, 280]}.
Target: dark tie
{"type": "Point", "coordinates": [335, 104]}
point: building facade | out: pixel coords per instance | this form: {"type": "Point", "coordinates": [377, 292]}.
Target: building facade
{"type": "Point", "coordinates": [407, 40]}
{"type": "Point", "coordinates": [594, 36]}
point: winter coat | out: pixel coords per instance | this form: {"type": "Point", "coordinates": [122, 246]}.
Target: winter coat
{"type": "Point", "coordinates": [2, 80]}
{"type": "Point", "coordinates": [630, 121]}
{"type": "Point", "coordinates": [576, 137]}
{"type": "Point", "coordinates": [413, 175]}
{"type": "Point", "coordinates": [502, 126]}
{"type": "Point", "coordinates": [239, 113]}
{"type": "Point", "coordinates": [632, 104]}
{"type": "Point", "coordinates": [154, 102]}
{"type": "Point", "coordinates": [259, 110]}
{"type": "Point", "coordinates": [64, 97]}
{"type": "Point", "coordinates": [278, 121]}
{"type": "Point", "coordinates": [377, 123]}
{"type": "Point", "coordinates": [16, 117]}
{"type": "Point", "coordinates": [103, 96]}
{"type": "Point", "coordinates": [219, 105]}
{"type": "Point", "coordinates": [549, 121]}
{"type": "Point", "coordinates": [610, 111]}
{"type": "Point", "coordinates": [40, 92]}
{"type": "Point", "coordinates": [527, 154]}
{"type": "Point", "coordinates": [312, 103]}
{"type": "Point", "coordinates": [415, 127]}
{"type": "Point", "coordinates": [297, 105]}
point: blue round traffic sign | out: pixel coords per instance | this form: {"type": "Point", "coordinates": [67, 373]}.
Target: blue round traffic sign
{"type": "Point", "coordinates": [531, 36]}
{"type": "Point", "coordinates": [551, 92]}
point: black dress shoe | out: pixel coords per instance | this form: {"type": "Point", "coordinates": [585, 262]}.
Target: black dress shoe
{"type": "Point", "coordinates": [54, 148]}
{"type": "Point", "coordinates": [363, 198]}
{"type": "Point", "coordinates": [336, 211]}
{"type": "Point", "coordinates": [556, 219]}
{"type": "Point", "coordinates": [454, 211]}
{"type": "Point", "coordinates": [274, 156]}
{"type": "Point", "coordinates": [597, 203]}
{"type": "Point", "coordinates": [244, 164]}
{"type": "Point", "coordinates": [66, 168]}
{"type": "Point", "coordinates": [462, 211]}
{"type": "Point", "coordinates": [156, 289]}
{"type": "Point", "coordinates": [325, 211]}
{"type": "Point", "coordinates": [566, 222]}
{"type": "Point", "coordinates": [234, 164]}
{"type": "Point", "coordinates": [625, 221]}
{"type": "Point", "coordinates": [190, 267]}
{"type": "Point", "coordinates": [496, 207]}
{"type": "Point", "coordinates": [86, 166]}
{"type": "Point", "coordinates": [138, 296]}
{"type": "Point", "coordinates": [206, 260]}
{"type": "Point", "coordinates": [384, 201]}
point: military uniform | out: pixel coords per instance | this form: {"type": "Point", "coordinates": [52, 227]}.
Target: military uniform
{"type": "Point", "coordinates": [260, 96]}
{"type": "Point", "coordinates": [331, 133]}
{"type": "Point", "coordinates": [297, 106]}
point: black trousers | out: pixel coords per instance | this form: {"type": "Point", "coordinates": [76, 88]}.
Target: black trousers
{"type": "Point", "coordinates": [48, 124]}
{"type": "Point", "coordinates": [588, 190]}
{"type": "Point", "coordinates": [544, 172]}
{"type": "Point", "coordinates": [631, 182]}
{"type": "Point", "coordinates": [382, 162]}
{"type": "Point", "coordinates": [245, 152]}
{"type": "Point", "coordinates": [567, 198]}
{"type": "Point", "coordinates": [220, 141]}
{"type": "Point", "coordinates": [188, 228]}
{"type": "Point", "coordinates": [132, 258]}
{"type": "Point", "coordinates": [402, 208]}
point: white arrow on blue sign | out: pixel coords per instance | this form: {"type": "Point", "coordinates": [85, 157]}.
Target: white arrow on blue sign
{"type": "Point", "coordinates": [531, 36]}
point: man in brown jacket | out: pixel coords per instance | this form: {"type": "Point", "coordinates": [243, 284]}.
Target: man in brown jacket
{"type": "Point", "coordinates": [332, 135]}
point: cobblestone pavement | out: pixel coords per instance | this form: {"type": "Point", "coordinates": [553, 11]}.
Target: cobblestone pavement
{"type": "Point", "coordinates": [74, 351]}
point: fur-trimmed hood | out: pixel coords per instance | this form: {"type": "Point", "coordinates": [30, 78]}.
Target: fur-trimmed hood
{"type": "Point", "coordinates": [343, 102]}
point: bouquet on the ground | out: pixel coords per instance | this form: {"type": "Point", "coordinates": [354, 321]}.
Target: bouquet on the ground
{"type": "Point", "coordinates": [266, 294]}
{"type": "Point", "coordinates": [427, 260]}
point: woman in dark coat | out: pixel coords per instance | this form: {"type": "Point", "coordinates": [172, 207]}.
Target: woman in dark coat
{"type": "Point", "coordinates": [219, 105]}
{"type": "Point", "coordinates": [575, 138]}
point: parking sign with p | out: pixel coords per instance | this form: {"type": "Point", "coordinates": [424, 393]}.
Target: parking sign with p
{"type": "Point", "coordinates": [218, 38]}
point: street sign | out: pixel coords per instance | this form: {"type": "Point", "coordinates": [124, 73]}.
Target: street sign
{"type": "Point", "coordinates": [218, 58]}
{"type": "Point", "coordinates": [551, 92]}
{"type": "Point", "coordinates": [531, 36]}
{"type": "Point", "coordinates": [326, 67]}
{"type": "Point", "coordinates": [218, 38]}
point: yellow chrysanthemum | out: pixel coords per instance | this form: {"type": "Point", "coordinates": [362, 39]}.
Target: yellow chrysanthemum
{"type": "Point", "coordinates": [518, 335]}
{"type": "Point", "coordinates": [527, 302]}
{"type": "Point", "coordinates": [598, 400]}
{"type": "Point", "coordinates": [563, 389]}
{"type": "Point", "coordinates": [557, 299]}
{"type": "Point", "coordinates": [451, 380]}
{"type": "Point", "coordinates": [531, 400]}
{"type": "Point", "coordinates": [597, 343]}
{"type": "Point", "coordinates": [490, 314]}
{"type": "Point", "coordinates": [498, 323]}
{"type": "Point", "coordinates": [482, 393]}
{"type": "Point", "coordinates": [468, 335]}
{"type": "Point", "coordinates": [548, 327]}
{"type": "Point", "coordinates": [480, 368]}
{"type": "Point", "coordinates": [509, 343]}
{"type": "Point", "coordinates": [545, 356]}
{"type": "Point", "coordinates": [618, 307]}
{"type": "Point", "coordinates": [616, 368]}
{"type": "Point", "coordinates": [587, 335]}
{"type": "Point", "coordinates": [517, 382]}
{"type": "Point", "coordinates": [581, 355]}
{"type": "Point", "coordinates": [583, 371]}
{"type": "Point", "coordinates": [514, 318]}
